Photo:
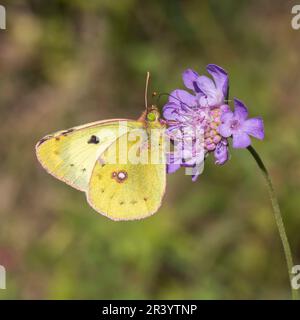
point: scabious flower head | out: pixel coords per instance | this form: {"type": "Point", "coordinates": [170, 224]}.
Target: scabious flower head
{"type": "Point", "coordinates": [200, 122]}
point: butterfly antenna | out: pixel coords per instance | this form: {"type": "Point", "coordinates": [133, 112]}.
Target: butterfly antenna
{"type": "Point", "coordinates": [146, 90]}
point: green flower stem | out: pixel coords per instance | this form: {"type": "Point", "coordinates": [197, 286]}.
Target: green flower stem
{"type": "Point", "coordinates": [278, 217]}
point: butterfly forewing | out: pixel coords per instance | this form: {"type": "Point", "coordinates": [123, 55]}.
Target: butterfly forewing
{"type": "Point", "coordinates": [70, 155]}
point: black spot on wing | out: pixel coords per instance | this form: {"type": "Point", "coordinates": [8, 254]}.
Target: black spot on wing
{"type": "Point", "coordinates": [93, 140]}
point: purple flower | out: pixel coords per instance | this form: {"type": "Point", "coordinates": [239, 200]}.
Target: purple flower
{"type": "Point", "coordinates": [237, 125]}
{"type": "Point", "coordinates": [200, 122]}
{"type": "Point", "coordinates": [193, 120]}
{"type": "Point", "coordinates": [173, 162]}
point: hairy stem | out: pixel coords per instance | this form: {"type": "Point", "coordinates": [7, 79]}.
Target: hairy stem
{"type": "Point", "coordinates": [278, 217]}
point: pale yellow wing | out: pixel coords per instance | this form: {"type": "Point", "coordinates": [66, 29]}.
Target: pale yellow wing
{"type": "Point", "coordinates": [70, 155]}
{"type": "Point", "coordinates": [130, 189]}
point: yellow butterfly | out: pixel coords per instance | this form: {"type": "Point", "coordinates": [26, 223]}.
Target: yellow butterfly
{"type": "Point", "coordinates": [105, 160]}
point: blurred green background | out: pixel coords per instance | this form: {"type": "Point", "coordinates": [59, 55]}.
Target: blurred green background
{"type": "Point", "coordinates": [69, 62]}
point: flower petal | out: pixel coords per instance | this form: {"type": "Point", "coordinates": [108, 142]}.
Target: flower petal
{"type": "Point", "coordinates": [174, 133]}
{"type": "Point", "coordinates": [240, 110]}
{"type": "Point", "coordinates": [225, 129]}
{"type": "Point", "coordinates": [220, 77]}
{"type": "Point", "coordinates": [190, 77]}
{"type": "Point", "coordinates": [206, 85]}
{"type": "Point", "coordinates": [225, 108]}
{"type": "Point", "coordinates": [241, 140]}
{"type": "Point", "coordinates": [187, 156]}
{"type": "Point", "coordinates": [196, 171]}
{"type": "Point", "coordinates": [227, 116]}
{"type": "Point", "coordinates": [221, 152]}
{"type": "Point", "coordinates": [254, 127]}
{"type": "Point", "coordinates": [173, 163]}
{"type": "Point", "coordinates": [209, 95]}
{"type": "Point", "coordinates": [192, 158]}
{"type": "Point", "coordinates": [171, 111]}
{"type": "Point", "coordinates": [171, 168]}
{"type": "Point", "coordinates": [211, 100]}
{"type": "Point", "coordinates": [181, 97]}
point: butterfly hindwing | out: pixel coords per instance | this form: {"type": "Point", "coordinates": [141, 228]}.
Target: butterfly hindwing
{"type": "Point", "coordinates": [123, 190]}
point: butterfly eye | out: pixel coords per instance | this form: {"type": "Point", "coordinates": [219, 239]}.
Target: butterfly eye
{"type": "Point", "coordinates": [151, 116]}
